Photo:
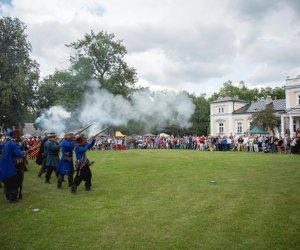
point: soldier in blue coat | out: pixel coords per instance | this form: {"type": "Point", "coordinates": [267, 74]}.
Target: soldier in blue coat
{"type": "Point", "coordinates": [9, 174]}
{"type": "Point", "coordinates": [83, 171]}
{"type": "Point", "coordinates": [1, 150]}
{"type": "Point", "coordinates": [52, 148]}
{"type": "Point", "coordinates": [66, 165]}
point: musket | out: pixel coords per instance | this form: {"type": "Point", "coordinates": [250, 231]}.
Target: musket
{"type": "Point", "coordinates": [33, 153]}
{"type": "Point", "coordinates": [85, 128]}
{"type": "Point", "coordinates": [98, 133]}
{"type": "Point", "coordinates": [80, 131]}
{"type": "Point", "coordinates": [35, 147]}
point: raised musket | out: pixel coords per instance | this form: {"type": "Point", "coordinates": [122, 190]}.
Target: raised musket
{"type": "Point", "coordinates": [98, 133]}
{"type": "Point", "coordinates": [79, 131]}
{"type": "Point", "coordinates": [85, 128]}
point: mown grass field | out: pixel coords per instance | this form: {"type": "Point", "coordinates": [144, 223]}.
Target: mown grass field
{"type": "Point", "coordinates": [162, 199]}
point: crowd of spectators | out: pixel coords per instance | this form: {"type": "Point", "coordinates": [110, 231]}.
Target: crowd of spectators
{"type": "Point", "coordinates": [246, 143]}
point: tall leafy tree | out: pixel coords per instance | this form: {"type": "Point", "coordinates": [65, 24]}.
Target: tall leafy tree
{"type": "Point", "coordinates": [265, 119]}
{"type": "Point", "coordinates": [201, 116]}
{"type": "Point", "coordinates": [19, 74]}
{"type": "Point", "coordinates": [101, 56]}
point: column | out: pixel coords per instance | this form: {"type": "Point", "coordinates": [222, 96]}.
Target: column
{"type": "Point", "coordinates": [291, 125]}
{"type": "Point", "coordinates": [282, 126]}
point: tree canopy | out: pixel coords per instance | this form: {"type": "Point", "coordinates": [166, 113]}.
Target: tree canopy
{"type": "Point", "coordinates": [265, 119]}
{"type": "Point", "coordinates": [247, 94]}
{"type": "Point", "coordinates": [102, 57]}
{"type": "Point", "coordinates": [19, 74]}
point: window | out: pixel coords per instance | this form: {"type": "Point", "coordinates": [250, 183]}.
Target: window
{"type": "Point", "coordinates": [221, 128]}
{"type": "Point", "coordinates": [239, 128]}
{"type": "Point", "coordinates": [294, 125]}
{"type": "Point", "coordinates": [298, 100]}
{"type": "Point", "coordinates": [221, 110]}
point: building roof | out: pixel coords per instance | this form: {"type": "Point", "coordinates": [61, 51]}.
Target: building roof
{"type": "Point", "coordinates": [277, 105]}
{"type": "Point", "coordinates": [229, 99]}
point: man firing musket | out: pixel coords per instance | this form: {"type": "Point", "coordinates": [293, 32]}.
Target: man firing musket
{"type": "Point", "coordinates": [83, 171]}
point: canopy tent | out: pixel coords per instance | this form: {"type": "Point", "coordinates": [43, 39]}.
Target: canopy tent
{"type": "Point", "coordinates": [148, 135]}
{"type": "Point", "coordinates": [103, 134]}
{"type": "Point", "coordinates": [135, 136]}
{"type": "Point", "coordinates": [257, 130]}
{"type": "Point", "coordinates": [119, 134]}
{"type": "Point", "coordinates": [164, 135]}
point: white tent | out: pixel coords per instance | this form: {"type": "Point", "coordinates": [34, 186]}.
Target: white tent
{"type": "Point", "coordinates": [164, 135]}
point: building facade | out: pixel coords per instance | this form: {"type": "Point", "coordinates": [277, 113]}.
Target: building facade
{"type": "Point", "coordinates": [232, 116]}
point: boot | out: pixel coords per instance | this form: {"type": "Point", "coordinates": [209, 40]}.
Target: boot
{"type": "Point", "coordinates": [41, 172]}
{"type": "Point", "coordinates": [13, 197]}
{"type": "Point", "coordinates": [59, 181]}
{"type": "Point", "coordinates": [87, 188]}
{"type": "Point", "coordinates": [47, 181]}
{"type": "Point", "coordinates": [73, 189]}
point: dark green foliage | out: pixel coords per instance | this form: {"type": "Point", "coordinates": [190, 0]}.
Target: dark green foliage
{"type": "Point", "coordinates": [247, 94]}
{"type": "Point", "coordinates": [265, 119]}
{"type": "Point", "coordinates": [200, 118]}
{"type": "Point", "coordinates": [103, 58]}
{"type": "Point", "coordinates": [19, 74]}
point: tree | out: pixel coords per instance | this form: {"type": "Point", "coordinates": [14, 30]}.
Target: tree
{"type": "Point", "coordinates": [200, 118]}
{"type": "Point", "coordinates": [247, 94]}
{"type": "Point", "coordinates": [19, 74]}
{"type": "Point", "coordinates": [103, 58]}
{"type": "Point", "coordinates": [265, 119]}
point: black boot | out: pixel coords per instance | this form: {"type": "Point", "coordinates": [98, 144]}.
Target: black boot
{"type": "Point", "coordinates": [59, 181]}
{"type": "Point", "coordinates": [73, 189]}
{"type": "Point", "coordinates": [13, 197]}
{"type": "Point", "coordinates": [41, 172]}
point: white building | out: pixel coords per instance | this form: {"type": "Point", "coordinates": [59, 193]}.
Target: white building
{"type": "Point", "coordinates": [232, 116]}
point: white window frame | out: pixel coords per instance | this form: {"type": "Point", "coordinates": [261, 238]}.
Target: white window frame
{"type": "Point", "coordinates": [221, 110]}
{"type": "Point", "coordinates": [239, 127]}
{"type": "Point", "coordinates": [298, 103]}
{"type": "Point", "coordinates": [221, 128]}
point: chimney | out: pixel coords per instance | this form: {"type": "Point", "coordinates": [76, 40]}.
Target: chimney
{"type": "Point", "coordinates": [268, 100]}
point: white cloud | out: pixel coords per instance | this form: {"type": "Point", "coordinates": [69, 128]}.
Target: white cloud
{"type": "Point", "coordinates": [194, 45]}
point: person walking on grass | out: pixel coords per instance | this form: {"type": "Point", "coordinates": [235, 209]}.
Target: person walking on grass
{"type": "Point", "coordinates": [51, 149]}
{"type": "Point", "coordinates": [83, 171]}
{"type": "Point", "coordinates": [66, 165]}
{"type": "Point", "coordinates": [10, 174]}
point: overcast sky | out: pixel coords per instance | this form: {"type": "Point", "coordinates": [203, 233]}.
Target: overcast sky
{"type": "Point", "coordinates": [192, 45]}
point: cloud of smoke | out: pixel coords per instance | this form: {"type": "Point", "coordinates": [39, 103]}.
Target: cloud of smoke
{"type": "Point", "coordinates": [54, 119]}
{"type": "Point", "coordinates": [154, 109]}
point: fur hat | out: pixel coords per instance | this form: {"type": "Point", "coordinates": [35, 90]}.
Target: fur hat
{"type": "Point", "coordinates": [16, 134]}
{"type": "Point", "coordinates": [80, 141]}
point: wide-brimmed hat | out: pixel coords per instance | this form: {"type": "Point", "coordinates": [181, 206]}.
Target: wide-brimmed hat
{"type": "Point", "coordinates": [69, 134]}
{"type": "Point", "coordinates": [51, 135]}
{"type": "Point", "coordinates": [80, 141]}
{"type": "Point", "coordinates": [16, 134]}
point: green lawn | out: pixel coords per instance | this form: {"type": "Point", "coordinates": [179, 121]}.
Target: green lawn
{"type": "Point", "coordinates": [162, 199]}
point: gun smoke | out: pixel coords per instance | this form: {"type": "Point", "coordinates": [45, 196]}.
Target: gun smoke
{"type": "Point", "coordinates": [152, 109]}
